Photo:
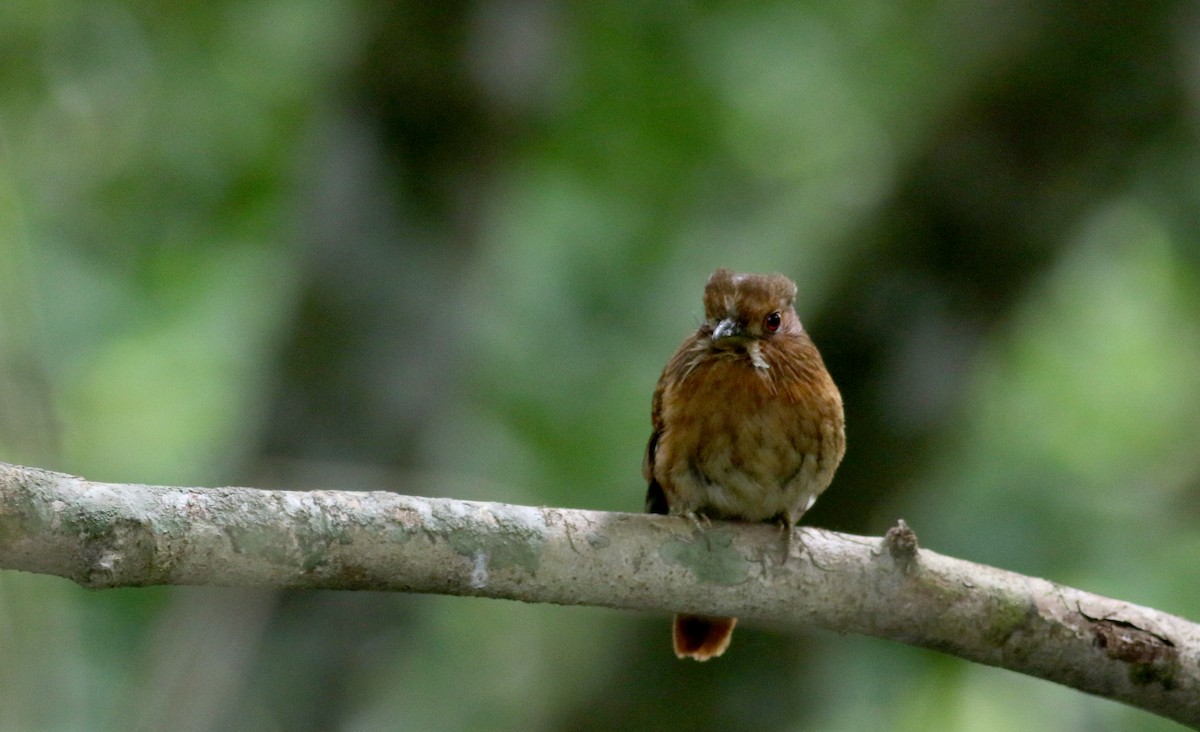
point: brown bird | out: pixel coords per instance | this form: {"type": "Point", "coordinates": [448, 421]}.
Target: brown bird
{"type": "Point", "coordinates": [748, 424]}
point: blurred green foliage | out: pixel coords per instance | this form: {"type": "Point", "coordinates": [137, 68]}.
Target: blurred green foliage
{"type": "Point", "coordinates": [446, 248]}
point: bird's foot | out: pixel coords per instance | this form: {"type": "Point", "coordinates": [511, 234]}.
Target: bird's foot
{"type": "Point", "coordinates": [787, 527]}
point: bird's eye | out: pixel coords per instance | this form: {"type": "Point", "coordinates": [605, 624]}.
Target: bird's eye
{"type": "Point", "coordinates": [772, 322]}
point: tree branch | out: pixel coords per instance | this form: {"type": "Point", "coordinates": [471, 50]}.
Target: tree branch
{"type": "Point", "coordinates": [106, 535]}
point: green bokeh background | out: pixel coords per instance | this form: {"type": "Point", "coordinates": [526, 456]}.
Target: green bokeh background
{"type": "Point", "coordinates": [445, 248]}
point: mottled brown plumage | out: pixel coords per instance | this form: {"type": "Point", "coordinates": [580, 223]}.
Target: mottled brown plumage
{"type": "Point", "coordinates": [747, 423]}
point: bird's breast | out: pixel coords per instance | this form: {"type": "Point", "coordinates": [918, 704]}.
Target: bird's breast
{"type": "Point", "coordinates": [737, 444]}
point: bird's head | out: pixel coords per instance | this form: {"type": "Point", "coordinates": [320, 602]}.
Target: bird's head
{"type": "Point", "coordinates": [744, 311]}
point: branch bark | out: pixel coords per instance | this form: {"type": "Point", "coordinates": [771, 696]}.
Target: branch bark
{"type": "Point", "coordinates": [104, 535]}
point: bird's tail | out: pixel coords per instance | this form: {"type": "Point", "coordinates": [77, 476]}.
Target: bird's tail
{"type": "Point", "coordinates": [702, 637]}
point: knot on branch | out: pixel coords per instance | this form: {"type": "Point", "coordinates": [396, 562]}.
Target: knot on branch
{"type": "Point", "coordinates": [901, 543]}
